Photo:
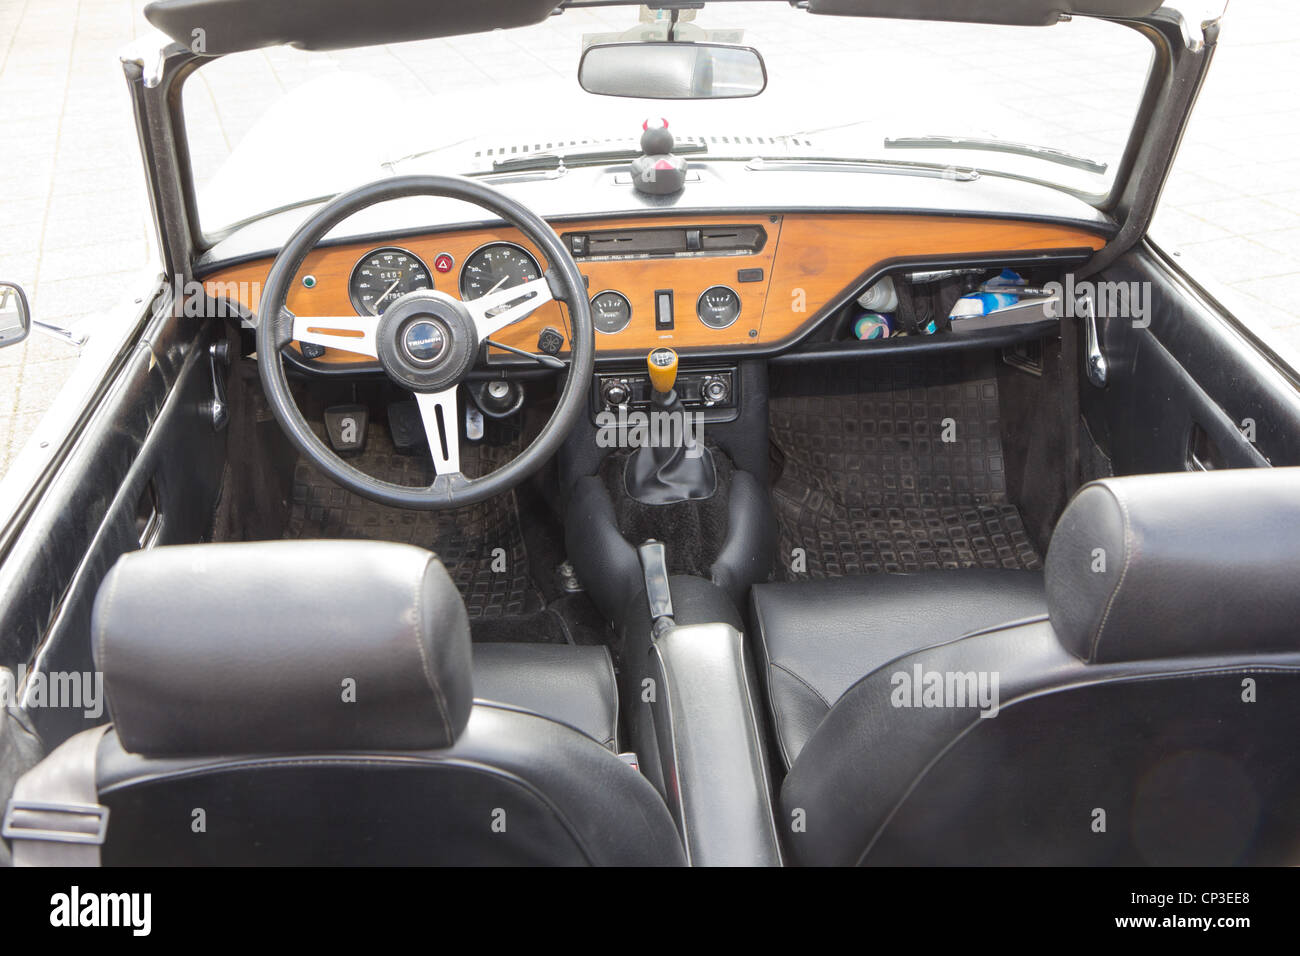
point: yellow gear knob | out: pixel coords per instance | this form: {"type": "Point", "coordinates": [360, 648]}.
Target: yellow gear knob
{"type": "Point", "coordinates": [662, 365]}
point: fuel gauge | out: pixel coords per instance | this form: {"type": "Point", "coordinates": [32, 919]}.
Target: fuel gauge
{"type": "Point", "coordinates": [610, 311]}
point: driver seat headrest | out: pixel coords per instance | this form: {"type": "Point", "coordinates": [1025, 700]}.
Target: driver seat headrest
{"type": "Point", "coordinates": [281, 647]}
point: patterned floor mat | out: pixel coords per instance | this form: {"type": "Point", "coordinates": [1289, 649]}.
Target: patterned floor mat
{"type": "Point", "coordinates": [482, 546]}
{"type": "Point", "coordinates": [893, 467]}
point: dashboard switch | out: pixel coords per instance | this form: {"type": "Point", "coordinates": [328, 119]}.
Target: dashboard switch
{"type": "Point", "coordinates": [550, 340]}
{"type": "Point", "coordinates": [663, 309]}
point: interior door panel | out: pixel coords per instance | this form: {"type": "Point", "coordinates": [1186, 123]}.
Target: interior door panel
{"type": "Point", "coordinates": [1187, 391]}
{"type": "Point", "coordinates": [150, 452]}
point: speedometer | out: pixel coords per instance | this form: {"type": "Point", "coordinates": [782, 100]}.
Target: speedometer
{"type": "Point", "coordinates": [384, 276]}
{"type": "Point", "coordinates": [498, 265]}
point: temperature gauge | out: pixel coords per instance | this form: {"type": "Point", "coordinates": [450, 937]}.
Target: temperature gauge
{"type": "Point", "coordinates": [718, 307]}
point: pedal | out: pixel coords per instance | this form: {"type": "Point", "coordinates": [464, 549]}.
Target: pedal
{"type": "Point", "coordinates": [346, 427]}
{"type": "Point", "coordinates": [473, 422]}
{"type": "Point", "coordinates": [407, 428]}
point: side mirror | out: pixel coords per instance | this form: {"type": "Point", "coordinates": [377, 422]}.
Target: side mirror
{"type": "Point", "coordinates": [15, 316]}
{"type": "Point", "coordinates": [672, 71]}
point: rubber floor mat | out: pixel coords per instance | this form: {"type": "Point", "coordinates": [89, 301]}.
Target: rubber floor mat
{"type": "Point", "coordinates": [892, 467]}
{"type": "Point", "coordinates": [482, 546]}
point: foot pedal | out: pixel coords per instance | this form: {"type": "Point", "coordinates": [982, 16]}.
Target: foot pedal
{"type": "Point", "coordinates": [407, 428]}
{"type": "Point", "coordinates": [346, 427]}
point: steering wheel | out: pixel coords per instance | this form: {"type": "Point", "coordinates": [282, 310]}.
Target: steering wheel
{"type": "Point", "coordinates": [427, 341]}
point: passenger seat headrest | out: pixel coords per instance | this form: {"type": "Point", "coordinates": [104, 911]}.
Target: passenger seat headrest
{"type": "Point", "coordinates": [283, 646]}
{"type": "Point", "coordinates": [1178, 565]}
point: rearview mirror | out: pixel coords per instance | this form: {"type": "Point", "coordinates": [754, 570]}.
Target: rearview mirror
{"type": "Point", "coordinates": [15, 316]}
{"type": "Point", "coordinates": [672, 71]}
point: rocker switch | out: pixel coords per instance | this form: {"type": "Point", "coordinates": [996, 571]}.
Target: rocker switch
{"type": "Point", "coordinates": [663, 309]}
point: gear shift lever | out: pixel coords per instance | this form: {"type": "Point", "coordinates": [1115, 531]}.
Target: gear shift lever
{"type": "Point", "coordinates": [662, 366]}
{"type": "Point", "coordinates": [681, 470]}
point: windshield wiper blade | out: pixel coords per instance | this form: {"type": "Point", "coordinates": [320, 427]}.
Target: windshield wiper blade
{"type": "Point", "coordinates": [555, 158]}
{"type": "Point", "coordinates": [1048, 153]}
{"type": "Point", "coordinates": [833, 164]}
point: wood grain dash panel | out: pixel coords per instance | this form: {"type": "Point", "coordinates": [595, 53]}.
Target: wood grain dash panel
{"type": "Point", "coordinates": [807, 262]}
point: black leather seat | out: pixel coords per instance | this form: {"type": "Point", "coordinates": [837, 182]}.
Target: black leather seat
{"type": "Point", "coordinates": [569, 684]}
{"type": "Point", "coordinates": [817, 638]}
{"type": "Point", "coordinates": [314, 698]}
{"type": "Point", "coordinates": [1149, 717]}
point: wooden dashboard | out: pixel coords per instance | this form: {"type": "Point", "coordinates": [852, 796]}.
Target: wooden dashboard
{"type": "Point", "coordinates": [806, 261]}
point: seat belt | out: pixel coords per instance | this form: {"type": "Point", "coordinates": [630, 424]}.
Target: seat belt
{"type": "Point", "coordinates": [54, 817]}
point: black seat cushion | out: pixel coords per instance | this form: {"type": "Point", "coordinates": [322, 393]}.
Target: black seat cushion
{"type": "Point", "coordinates": [561, 800]}
{"type": "Point", "coordinates": [817, 638]}
{"type": "Point", "coordinates": [572, 684]}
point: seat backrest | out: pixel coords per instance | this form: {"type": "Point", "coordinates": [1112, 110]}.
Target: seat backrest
{"type": "Point", "coordinates": [310, 702]}
{"type": "Point", "coordinates": [1150, 719]}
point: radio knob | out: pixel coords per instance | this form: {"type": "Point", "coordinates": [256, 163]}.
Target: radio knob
{"type": "Point", "coordinates": [715, 390]}
{"type": "Point", "coordinates": [615, 393]}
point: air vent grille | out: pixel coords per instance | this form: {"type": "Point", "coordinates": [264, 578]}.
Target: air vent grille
{"type": "Point", "coordinates": [732, 144]}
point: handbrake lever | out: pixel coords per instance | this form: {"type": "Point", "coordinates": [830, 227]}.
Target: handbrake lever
{"type": "Point", "coordinates": [654, 568]}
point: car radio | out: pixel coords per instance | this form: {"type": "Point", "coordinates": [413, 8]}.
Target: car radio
{"type": "Point", "coordinates": [703, 389]}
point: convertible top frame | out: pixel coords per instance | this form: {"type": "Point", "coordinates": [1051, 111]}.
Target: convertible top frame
{"type": "Point", "coordinates": [1175, 80]}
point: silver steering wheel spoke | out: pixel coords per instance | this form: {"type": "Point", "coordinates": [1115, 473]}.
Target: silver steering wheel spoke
{"type": "Point", "coordinates": [440, 414]}
{"type": "Point", "coordinates": [352, 333]}
{"type": "Point", "coordinates": [504, 307]}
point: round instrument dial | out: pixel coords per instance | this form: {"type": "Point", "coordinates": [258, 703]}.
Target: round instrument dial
{"type": "Point", "coordinates": [718, 307]}
{"type": "Point", "coordinates": [498, 265]}
{"type": "Point", "coordinates": [610, 311]}
{"type": "Point", "coordinates": [384, 276]}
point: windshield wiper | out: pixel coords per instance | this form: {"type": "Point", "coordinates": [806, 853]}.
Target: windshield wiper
{"type": "Point", "coordinates": [555, 158]}
{"type": "Point", "coordinates": [832, 164]}
{"type": "Point", "coordinates": [1058, 156]}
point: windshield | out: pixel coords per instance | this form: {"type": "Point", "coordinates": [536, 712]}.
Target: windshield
{"type": "Point", "coordinates": [270, 128]}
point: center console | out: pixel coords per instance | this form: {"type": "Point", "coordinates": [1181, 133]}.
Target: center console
{"type": "Point", "coordinates": [668, 536]}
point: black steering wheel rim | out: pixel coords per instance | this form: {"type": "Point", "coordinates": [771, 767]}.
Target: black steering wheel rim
{"type": "Point", "coordinates": [275, 331]}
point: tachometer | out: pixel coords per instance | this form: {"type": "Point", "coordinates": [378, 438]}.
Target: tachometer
{"type": "Point", "coordinates": [498, 265]}
{"type": "Point", "coordinates": [384, 276]}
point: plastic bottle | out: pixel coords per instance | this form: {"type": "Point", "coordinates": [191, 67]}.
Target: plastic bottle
{"type": "Point", "coordinates": [881, 297]}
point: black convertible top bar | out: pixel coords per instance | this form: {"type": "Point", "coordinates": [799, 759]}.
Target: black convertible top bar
{"type": "Point", "coordinates": [216, 27]}
{"type": "Point", "coordinates": [1014, 12]}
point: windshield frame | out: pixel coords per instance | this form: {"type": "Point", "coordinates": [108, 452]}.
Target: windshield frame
{"type": "Point", "coordinates": [1110, 201]}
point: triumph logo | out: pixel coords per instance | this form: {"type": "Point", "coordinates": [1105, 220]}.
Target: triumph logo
{"type": "Point", "coordinates": [424, 342]}
{"type": "Point", "coordinates": [75, 909]}
{"type": "Point", "coordinates": [956, 689]}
